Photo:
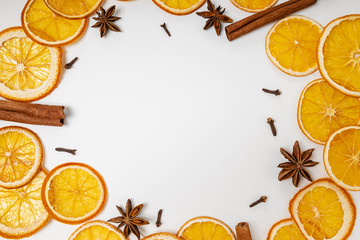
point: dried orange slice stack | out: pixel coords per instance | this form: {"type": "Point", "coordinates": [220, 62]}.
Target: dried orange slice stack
{"type": "Point", "coordinates": [253, 5]}
{"type": "Point", "coordinates": [28, 71]}
{"type": "Point", "coordinates": [322, 110]}
{"type": "Point", "coordinates": [179, 7]}
{"type": "Point", "coordinates": [45, 27]}
{"type": "Point", "coordinates": [200, 228]}
{"type": "Point", "coordinates": [161, 236]}
{"type": "Point", "coordinates": [21, 155]}
{"type": "Point", "coordinates": [21, 210]}
{"type": "Point", "coordinates": [291, 45]}
{"type": "Point", "coordinates": [339, 54]}
{"type": "Point", "coordinates": [323, 210]}
{"type": "Point", "coordinates": [285, 229]}
{"type": "Point", "coordinates": [97, 230]}
{"type": "Point", "coordinates": [73, 193]}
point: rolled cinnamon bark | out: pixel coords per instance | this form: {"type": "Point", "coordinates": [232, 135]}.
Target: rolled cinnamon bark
{"type": "Point", "coordinates": [32, 113]}
{"type": "Point", "coordinates": [243, 231]}
{"type": "Point", "coordinates": [269, 15]}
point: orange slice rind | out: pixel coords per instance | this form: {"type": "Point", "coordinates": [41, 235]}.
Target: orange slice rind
{"type": "Point", "coordinates": [205, 228]}
{"type": "Point", "coordinates": [179, 7]}
{"type": "Point", "coordinates": [97, 230]}
{"type": "Point", "coordinates": [285, 229]}
{"type": "Point", "coordinates": [73, 193]}
{"type": "Point", "coordinates": [338, 54]}
{"type": "Point", "coordinates": [253, 5]}
{"type": "Point", "coordinates": [291, 45]}
{"type": "Point", "coordinates": [45, 27]}
{"type": "Point", "coordinates": [322, 110]}
{"type": "Point", "coordinates": [161, 236]}
{"type": "Point", "coordinates": [73, 9]}
{"type": "Point", "coordinates": [21, 210]}
{"type": "Point", "coordinates": [21, 155]}
{"type": "Point", "coordinates": [323, 210]}
{"type": "Point", "coordinates": [341, 157]}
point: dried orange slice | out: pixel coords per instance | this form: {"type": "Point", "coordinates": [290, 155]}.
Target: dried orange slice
{"type": "Point", "coordinates": [97, 230]}
{"type": "Point", "coordinates": [341, 157]}
{"type": "Point", "coordinates": [73, 8]}
{"type": "Point", "coordinates": [21, 154]}
{"type": "Point", "coordinates": [253, 5]}
{"type": "Point", "coordinates": [339, 54]}
{"type": "Point", "coordinates": [322, 110]}
{"type": "Point", "coordinates": [21, 210]}
{"type": "Point", "coordinates": [28, 71]}
{"type": "Point", "coordinates": [179, 7]}
{"type": "Point", "coordinates": [200, 228]}
{"type": "Point", "coordinates": [73, 193]}
{"type": "Point", "coordinates": [45, 27]}
{"type": "Point", "coordinates": [291, 45]}
{"type": "Point", "coordinates": [323, 210]}
{"type": "Point", "coordinates": [285, 229]}
{"type": "Point", "coordinates": [161, 236]}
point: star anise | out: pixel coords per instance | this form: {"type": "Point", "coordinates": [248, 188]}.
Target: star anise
{"type": "Point", "coordinates": [129, 219]}
{"type": "Point", "coordinates": [295, 168]}
{"type": "Point", "coordinates": [105, 20]}
{"type": "Point", "coordinates": [216, 16]}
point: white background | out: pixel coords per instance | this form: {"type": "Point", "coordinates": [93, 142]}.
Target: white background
{"type": "Point", "coordinates": [179, 123]}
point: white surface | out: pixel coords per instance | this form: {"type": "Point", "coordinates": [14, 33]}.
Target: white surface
{"type": "Point", "coordinates": [179, 123]}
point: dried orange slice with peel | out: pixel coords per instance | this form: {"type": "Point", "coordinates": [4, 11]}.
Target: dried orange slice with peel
{"type": "Point", "coordinates": [45, 27]}
{"type": "Point", "coordinates": [205, 228]}
{"type": "Point", "coordinates": [285, 229]}
{"type": "Point", "coordinates": [28, 71]}
{"type": "Point", "coordinates": [73, 193]}
{"type": "Point", "coordinates": [97, 230]}
{"type": "Point", "coordinates": [323, 210]}
{"type": "Point", "coordinates": [338, 54]}
{"type": "Point", "coordinates": [161, 236]}
{"type": "Point", "coordinates": [179, 7]}
{"type": "Point", "coordinates": [21, 210]}
{"type": "Point", "coordinates": [73, 9]}
{"type": "Point", "coordinates": [291, 45]}
{"type": "Point", "coordinates": [342, 156]}
{"type": "Point", "coordinates": [322, 110]}
{"type": "Point", "coordinates": [21, 155]}
{"type": "Point", "coordinates": [253, 5]}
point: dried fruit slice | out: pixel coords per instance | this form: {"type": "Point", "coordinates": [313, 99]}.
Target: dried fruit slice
{"type": "Point", "coordinates": [322, 110]}
{"type": "Point", "coordinates": [323, 210]}
{"type": "Point", "coordinates": [73, 9]}
{"type": "Point", "coordinates": [21, 210]}
{"type": "Point", "coordinates": [338, 54]}
{"type": "Point", "coordinates": [97, 230]}
{"type": "Point", "coordinates": [28, 71]}
{"type": "Point", "coordinates": [253, 5]}
{"type": "Point", "coordinates": [200, 228]}
{"type": "Point", "coordinates": [21, 154]}
{"type": "Point", "coordinates": [161, 236]}
{"type": "Point", "coordinates": [179, 7]}
{"type": "Point", "coordinates": [73, 193]}
{"type": "Point", "coordinates": [43, 26]}
{"type": "Point", "coordinates": [341, 157]}
{"type": "Point", "coordinates": [285, 229]}
{"type": "Point", "coordinates": [291, 45]}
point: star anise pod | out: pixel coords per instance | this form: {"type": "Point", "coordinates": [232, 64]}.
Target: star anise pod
{"type": "Point", "coordinates": [129, 219]}
{"type": "Point", "coordinates": [216, 16]}
{"type": "Point", "coordinates": [105, 20]}
{"type": "Point", "coordinates": [295, 168]}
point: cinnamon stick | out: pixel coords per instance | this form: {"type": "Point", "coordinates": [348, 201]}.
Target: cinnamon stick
{"type": "Point", "coordinates": [32, 113]}
{"type": "Point", "coordinates": [243, 231]}
{"type": "Point", "coordinates": [269, 15]}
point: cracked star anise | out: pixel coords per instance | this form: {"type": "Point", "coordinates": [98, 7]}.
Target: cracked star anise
{"type": "Point", "coordinates": [295, 168]}
{"type": "Point", "coordinates": [105, 21]}
{"type": "Point", "coordinates": [216, 16]}
{"type": "Point", "coordinates": [129, 219]}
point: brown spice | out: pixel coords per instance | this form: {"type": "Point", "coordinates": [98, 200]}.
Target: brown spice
{"type": "Point", "coordinates": [243, 231]}
{"type": "Point", "coordinates": [271, 121]}
{"type": "Point", "coordinates": [71, 151]}
{"type": "Point", "coordinates": [260, 200]}
{"type": "Point", "coordinates": [69, 64]}
{"type": "Point", "coordinates": [105, 20]}
{"type": "Point", "coordinates": [158, 220]}
{"type": "Point", "coordinates": [262, 18]}
{"type": "Point", "coordinates": [276, 92]}
{"type": "Point", "coordinates": [166, 29]}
